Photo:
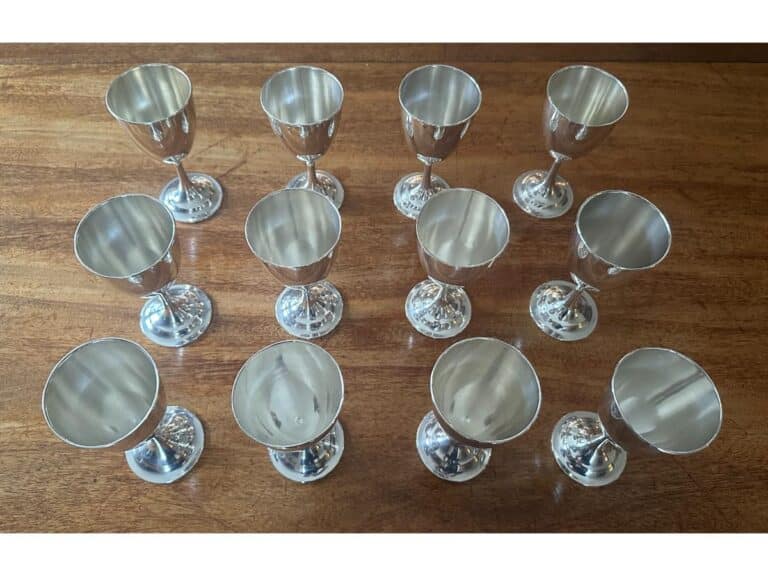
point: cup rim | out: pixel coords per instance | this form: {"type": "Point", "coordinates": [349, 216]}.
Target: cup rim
{"type": "Point", "coordinates": [150, 266]}
{"type": "Point", "coordinates": [606, 260]}
{"type": "Point", "coordinates": [325, 430]}
{"type": "Point", "coordinates": [441, 417]}
{"type": "Point", "coordinates": [690, 361]}
{"type": "Point", "coordinates": [66, 357]}
{"type": "Point", "coordinates": [275, 193]}
{"type": "Point", "coordinates": [301, 67]}
{"type": "Point", "coordinates": [483, 263]}
{"type": "Point", "coordinates": [120, 118]}
{"type": "Point", "coordinates": [600, 70]}
{"type": "Point", "coordinates": [450, 124]}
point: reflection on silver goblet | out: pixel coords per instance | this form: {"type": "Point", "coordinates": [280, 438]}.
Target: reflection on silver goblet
{"type": "Point", "coordinates": [131, 240]}
{"type": "Point", "coordinates": [153, 102]}
{"type": "Point", "coordinates": [294, 232]}
{"type": "Point", "coordinates": [616, 234]}
{"type": "Point", "coordinates": [303, 105]}
{"type": "Point", "coordinates": [658, 401]}
{"type": "Point", "coordinates": [288, 397]}
{"type": "Point", "coordinates": [484, 392]}
{"type": "Point", "coordinates": [106, 393]}
{"type": "Point", "coordinates": [583, 105]}
{"type": "Point", "coordinates": [437, 105]}
{"type": "Point", "coordinates": [460, 233]}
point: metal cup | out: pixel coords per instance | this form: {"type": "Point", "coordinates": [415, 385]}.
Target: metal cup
{"type": "Point", "coordinates": [460, 233]}
{"type": "Point", "coordinates": [658, 401]}
{"type": "Point", "coordinates": [131, 241]}
{"type": "Point", "coordinates": [294, 232]}
{"type": "Point", "coordinates": [153, 102]}
{"type": "Point", "coordinates": [583, 105]}
{"type": "Point", "coordinates": [438, 103]}
{"type": "Point", "coordinates": [106, 393]}
{"type": "Point", "coordinates": [617, 234]}
{"type": "Point", "coordinates": [288, 397]}
{"type": "Point", "coordinates": [303, 105]}
{"type": "Point", "coordinates": [484, 392]}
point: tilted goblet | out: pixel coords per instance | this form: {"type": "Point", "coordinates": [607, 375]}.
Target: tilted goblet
{"type": "Point", "coordinates": [460, 233]}
{"type": "Point", "coordinates": [106, 393]}
{"type": "Point", "coordinates": [484, 393]}
{"type": "Point", "coordinates": [658, 401]}
{"type": "Point", "coordinates": [437, 105]}
{"type": "Point", "coordinates": [288, 397]}
{"type": "Point", "coordinates": [303, 105]}
{"type": "Point", "coordinates": [294, 232]}
{"type": "Point", "coordinates": [616, 234]}
{"type": "Point", "coordinates": [153, 102]}
{"type": "Point", "coordinates": [583, 105]}
{"type": "Point", "coordinates": [131, 240]}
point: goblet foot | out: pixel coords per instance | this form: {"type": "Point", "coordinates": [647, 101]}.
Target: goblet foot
{"type": "Point", "coordinates": [529, 195]}
{"type": "Point", "coordinates": [551, 313]}
{"type": "Point", "coordinates": [584, 452]}
{"type": "Point", "coordinates": [196, 204]}
{"type": "Point", "coordinates": [410, 196]}
{"type": "Point", "coordinates": [438, 310]}
{"type": "Point", "coordinates": [446, 458]}
{"type": "Point", "coordinates": [309, 311]}
{"type": "Point", "coordinates": [327, 184]}
{"type": "Point", "coordinates": [183, 320]}
{"type": "Point", "coordinates": [173, 449]}
{"type": "Point", "coordinates": [312, 463]}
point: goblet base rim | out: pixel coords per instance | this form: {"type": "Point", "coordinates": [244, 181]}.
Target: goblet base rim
{"type": "Point", "coordinates": [330, 186]}
{"type": "Point", "coordinates": [201, 206]}
{"type": "Point", "coordinates": [406, 202]}
{"type": "Point", "coordinates": [538, 205]}
{"type": "Point", "coordinates": [324, 314]}
{"type": "Point", "coordinates": [544, 301]}
{"type": "Point", "coordinates": [437, 451]}
{"type": "Point", "coordinates": [193, 316]}
{"type": "Point", "coordinates": [304, 466]}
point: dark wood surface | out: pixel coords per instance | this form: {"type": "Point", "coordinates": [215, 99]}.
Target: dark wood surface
{"type": "Point", "coordinates": [693, 142]}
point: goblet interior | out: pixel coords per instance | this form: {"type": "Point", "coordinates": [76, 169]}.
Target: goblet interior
{"type": "Point", "coordinates": [440, 95]}
{"type": "Point", "coordinates": [100, 393]}
{"type": "Point", "coordinates": [302, 95]}
{"type": "Point", "coordinates": [587, 95]}
{"type": "Point", "coordinates": [148, 93]}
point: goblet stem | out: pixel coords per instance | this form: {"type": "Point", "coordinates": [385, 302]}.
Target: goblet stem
{"type": "Point", "coordinates": [426, 181]}
{"type": "Point", "coordinates": [175, 315]}
{"type": "Point", "coordinates": [445, 457]}
{"type": "Point", "coordinates": [312, 176]}
{"type": "Point", "coordinates": [168, 303]}
{"type": "Point", "coordinates": [438, 310]}
{"type": "Point", "coordinates": [546, 186]}
{"type": "Point", "coordinates": [185, 192]}
{"type": "Point", "coordinates": [314, 462]}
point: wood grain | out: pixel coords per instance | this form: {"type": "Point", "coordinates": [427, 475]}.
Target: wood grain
{"type": "Point", "coordinates": [693, 142]}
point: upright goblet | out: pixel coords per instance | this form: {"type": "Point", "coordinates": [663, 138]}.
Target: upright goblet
{"type": "Point", "coordinates": [583, 105]}
{"type": "Point", "coordinates": [303, 105]}
{"type": "Point", "coordinates": [294, 232]}
{"type": "Point", "coordinates": [437, 105]}
{"type": "Point", "coordinates": [484, 392]}
{"type": "Point", "coordinates": [131, 240]}
{"type": "Point", "coordinates": [153, 102]}
{"type": "Point", "coordinates": [106, 393]}
{"type": "Point", "coordinates": [658, 401]}
{"type": "Point", "coordinates": [288, 397]}
{"type": "Point", "coordinates": [617, 233]}
{"type": "Point", "coordinates": [460, 233]}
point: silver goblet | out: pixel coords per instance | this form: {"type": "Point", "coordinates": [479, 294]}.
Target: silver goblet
{"type": "Point", "coordinates": [106, 393]}
{"type": "Point", "coordinates": [658, 401]}
{"type": "Point", "coordinates": [460, 233]}
{"type": "Point", "coordinates": [437, 103]}
{"type": "Point", "coordinates": [288, 397]}
{"type": "Point", "coordinates": [484, 392]}
{"type": "Point", "coordinates": [294, 232]}
{"type": "Point", "coordinates": [303, 105]}
{"type": "Point", "coordinates": [616, 234]}
{"type": "Point", "coordinates": [153, 102]}
{"type": "Point", "coordinates": [583, 105]}
{"type": "Point", "coordinates": [131, 241]}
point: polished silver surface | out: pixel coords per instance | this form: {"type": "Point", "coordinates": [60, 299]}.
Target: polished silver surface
{"type": "Point", "coordinates": [659, 401]}
{"type": "Point", "coordinates": [131, 241]}
{"type": "Point", "coordinates": [437, 105]}
{"type": "Point", "coordinates": [303, 104]}
{"type": "Point", "coordinates": [616, 235]}
{"type": "Point", "coordinates": [484, 392]}
{"type": "Point", "coordinates": [460, 234]}
{"type": "Point", "coordinates": [294, 232]}
{"type": "Point", "coordinates": [288, 397]}
{"type": "Point", "coordinates": [583, 105]}
{"type": "Point", "coordinates": [106, 393]}
{"type": "Point", "coordinates": [154, 103]}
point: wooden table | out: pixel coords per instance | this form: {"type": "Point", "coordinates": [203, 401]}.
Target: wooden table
{"type": "Point", "coordinates": [693, 142]}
